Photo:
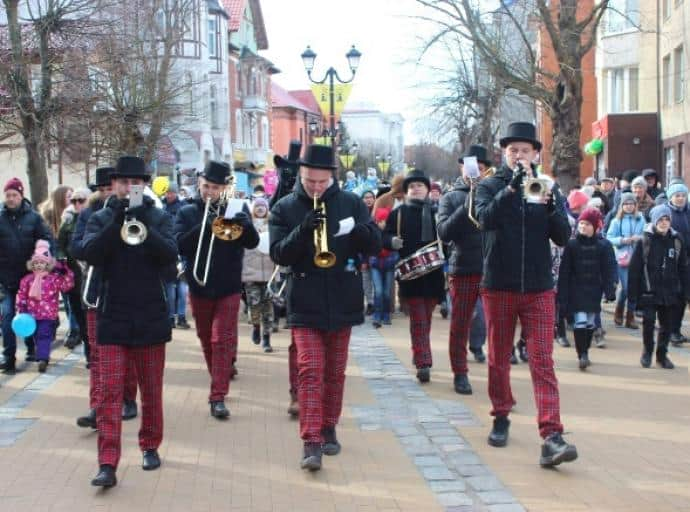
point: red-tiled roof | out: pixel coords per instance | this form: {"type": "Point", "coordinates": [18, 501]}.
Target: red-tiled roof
{"type": "Point", "coordinates": [235, 9]}
{"type": "Point", "coordinates": [307, 98]}
{"type": "Point", "coordinates": [286, 99]}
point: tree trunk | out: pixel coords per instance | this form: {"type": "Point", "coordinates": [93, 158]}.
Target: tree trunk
{"type": "Point", "coordinates": [36, 168]}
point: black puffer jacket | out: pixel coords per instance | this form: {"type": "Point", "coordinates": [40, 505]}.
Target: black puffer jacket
{"type": "Point", "coordinates": [588, 270]}
{"type": "Point", "coordinates": [455, 227]}
{"type": "Point", "coordinates": [328, 299]}
{"type": "Point", "coordinates": [430, 285]}
{"type": "Point", "coordinates": [666, 266]}
{"type": "Point", "coordinates": [225, 276]}
{"type": "Point", "coordinates": [19, 230]}
{"type": "Point", "coordinates": [517, 253]}
{"type": "Point", "coordinates": [133, 307]}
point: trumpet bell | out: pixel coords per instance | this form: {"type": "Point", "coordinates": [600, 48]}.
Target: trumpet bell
{"type": "Point", "coordinates": [325, 259]}
{"type": "Point", "coordinates": [133, 232]}
{"type": "Point", "coordinates": [536, 190]}
{"type": "Point", "coordinates": [226, 229]}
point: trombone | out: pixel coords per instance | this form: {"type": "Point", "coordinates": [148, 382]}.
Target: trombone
{"type": "Point", "coordinates": [473, 190]}
{"type": "Point", "coordinates": [85, 291]}
{"type": "Point", "coordinates": [222, 228]}
{"type": "Point", "coordinates": [323, 258]}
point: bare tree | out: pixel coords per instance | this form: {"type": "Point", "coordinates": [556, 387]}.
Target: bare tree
{"type": "Point", "coordinates": [570, 35]}
{"type": "Point", "coordinates": [436, 162]}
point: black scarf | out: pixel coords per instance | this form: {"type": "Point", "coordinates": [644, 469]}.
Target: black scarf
{"type": "Point", "coordinates": [428, 234]}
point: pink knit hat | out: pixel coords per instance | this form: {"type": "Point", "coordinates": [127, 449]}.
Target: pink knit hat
{"type": "Point", "coordinates": [42, 253]}
{"type": "Point", "coordinates": [577, 199]}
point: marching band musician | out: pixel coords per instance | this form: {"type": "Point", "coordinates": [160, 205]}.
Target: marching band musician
{"type": "Point", "coordinates": [517, 282]}
{"type": "Point", "coordinates": [102, 190]}
{"type": "Point", "coordinates": [410, 227]}
{"type": "Point", "coordinates": [456, 226]}
{"type": "Point", "coordinates": [132, 322]}
{"type": "Point", "coordinates": [324, 301]}
{"type": "Point", "coordinates": [215, 304]}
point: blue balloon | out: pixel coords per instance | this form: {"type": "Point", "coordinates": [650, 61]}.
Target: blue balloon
{"type": "Point", "coordinates": [24, 325]}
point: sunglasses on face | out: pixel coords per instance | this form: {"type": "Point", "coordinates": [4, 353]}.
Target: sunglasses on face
{"type": "Point", "coordinates": [78, 200]}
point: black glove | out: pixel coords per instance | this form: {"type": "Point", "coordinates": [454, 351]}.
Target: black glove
{"type": "Point", "coordinates": [611, 298]}
{"type": "Point", "coordinates": [118, 207]}
{"type": "Point", "coordinates": [551, 205]}
{"type": "Point", "coordinates": [313, 220]}
{"type": "Point", "coordinates": [518, 177]}
{"type": "Point", "coordinates": [360, 236]}
{"type": "Point", "coordinates": [242, 219]}
{"type": "Point", "coordinates": [137, 212]}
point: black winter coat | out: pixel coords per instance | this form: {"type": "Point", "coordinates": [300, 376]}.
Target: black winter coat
{"type": "Point", "coordinates": [225, 276]}
{"type": "Point", "coordinates": [588, 270]}
{"type": "Point", "coordinates": [455, 228]}
{"type": "Point", "coordinates": [133, 308]}
{"type": "Point", "coordinates": [431, 285]}
{"type": "Point", "coordinates": [331, 298]}
{"type": "Point", "coordinates": [667, 269]}
{"type": "Point", "coordinates": [19, 230]}
{"type": "Point", "coordinates": [680, 222]}
{"type": "Point", "coordinates": [173, 208]}
{"type": "Point", "coordinates": [517, 253]}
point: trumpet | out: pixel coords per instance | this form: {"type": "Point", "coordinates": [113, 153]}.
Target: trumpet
{"type": "Point", "coordinates": [535, 190]}
{"type": "Point", "coordinates": [222, 228]}
{"type": "Point", "coordinates": [133, 232]}
{"type": "Point", "coordinates": [323, 258]}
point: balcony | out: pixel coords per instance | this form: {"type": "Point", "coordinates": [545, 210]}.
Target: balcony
{"type": "Point", "coordinates": [255, 103]}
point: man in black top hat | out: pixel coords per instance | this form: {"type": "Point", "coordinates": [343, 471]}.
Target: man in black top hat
{"type": "Point", "coordinates": [517, 283]}
{"type": "Point", "coordinates": [457, 228]}
{"type": "Point", "coordinates": [323, 302]}
{"type": "Point", "coordinates": [132, 313]}
{"type": "Point", "coordinates": [215, 303]}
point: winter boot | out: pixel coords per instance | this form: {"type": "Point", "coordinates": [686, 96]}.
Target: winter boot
{"type": "Point", "coordinates": [618, 315]}
{"type": "Point", "coordinates": [630, 322]}
{"type": "Point", "coordinates": [266, 343]}
{"type": "Point", "coordinates": [256, 334]}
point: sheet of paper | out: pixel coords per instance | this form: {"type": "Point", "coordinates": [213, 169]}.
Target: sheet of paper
{"type": "Point", "coordinates": [234, 207]}
{"type": "Point", "coordinates": [470, 167]}
{"type": "Point", "coordinates": [346, 226]}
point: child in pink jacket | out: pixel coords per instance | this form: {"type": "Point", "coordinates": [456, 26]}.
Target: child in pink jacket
{"type": "Point", "coordinates": [39, 295]}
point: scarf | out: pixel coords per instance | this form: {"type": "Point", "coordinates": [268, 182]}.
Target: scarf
{"type": "Point", "coordinates": [428, 233]}
{"type": "Point", "coordinates": [37, 285]}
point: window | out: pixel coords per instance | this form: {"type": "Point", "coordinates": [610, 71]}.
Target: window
{"type": "Point", "coordinates": [633, 89]}
{"type": "Point", "coordinates": [670, 159]}
{"type": "Point", "coordinates": [616, 98]}
{"type": "Point", "coordinates": [265, 133]}
{"type": "Point", "coordinates": [238, 127]}
{"type": "Point", "coordinates": [213, 107]}
{"type": "Point", "coordinates": [159, 20]}
{"type": "Point", "coordinates": [666, 78]}
{"type": "Point", "coordinates": [667, 8]}
{"type": "Point", "coordinates": [622, 15]}
{"type": "Point", "coordinates": [678, 74]}
{"type": "Point", "coordinates": [212, 37]}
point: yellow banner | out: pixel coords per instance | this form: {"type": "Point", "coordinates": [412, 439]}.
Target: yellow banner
{"type": "Point", "coordinates": [348, 160]}
{"type": "Point", "coordinates": [341, 92]}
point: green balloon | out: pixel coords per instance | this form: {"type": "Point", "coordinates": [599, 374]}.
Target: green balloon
{"type": "Point", "coordinates": [596, 145]}
{"type": "Point", "coordinates": [588, 148]}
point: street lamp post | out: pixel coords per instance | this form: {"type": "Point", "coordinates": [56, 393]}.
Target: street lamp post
{"type": "Point", "coordinates": [309, 57]}
{"type": "Point", "coordinates": [384, 164]}
{"type": "Point", "coordinates": [348, 155]}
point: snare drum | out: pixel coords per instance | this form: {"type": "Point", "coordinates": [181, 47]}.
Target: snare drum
{"type": "Point", "coordinates": [419, 263]}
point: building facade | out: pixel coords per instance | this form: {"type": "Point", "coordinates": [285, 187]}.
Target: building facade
{"type": "Point", "coordinates": [292, 119]}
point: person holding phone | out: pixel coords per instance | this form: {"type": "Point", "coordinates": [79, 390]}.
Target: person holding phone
{"type": "Point", "coordinates": [132, 313]}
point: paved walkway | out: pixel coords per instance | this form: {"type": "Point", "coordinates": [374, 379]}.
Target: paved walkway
{"type": "Point", "coordinates": [405, 446]}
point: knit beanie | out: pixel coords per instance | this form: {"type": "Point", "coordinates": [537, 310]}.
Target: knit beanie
{"type": "Point", "coordinates": [42, 253]}
{"type": "Point", "coordinates": [577, 199]}
{"type": "Point", "coordinates": [15, 184]}
{"type": "Point", "coordinates": [628, 197]}
{"type": "Point", "coordinates": [593, 216]}
{"type": "Point", "coordinates": [259, 201]}
{"type": "Point", "coordinates": [639, 182]}
{"type": "Point", "coordinates": [658, 212]}
{"type": "Point", "coordinates": [436, 186]}
{"type": "Point", "coordinates": [676, 188]}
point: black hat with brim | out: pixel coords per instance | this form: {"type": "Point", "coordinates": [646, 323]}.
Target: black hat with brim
{"type": "Point", "coordinates": [292, 159]}
{"type": "Point", "coordinates": [103, 175]}
{"type": "Point", "coordinates": [477, 151]}
{"type": "Point", "coordinates": [521, 132]}
{"type": "Point", "coordinates": [319, 157]}
{"type": "Point", "coordinates": [216, 172]}
{"type": "Point", "coordinates": [416, 175]}
{"type": "Point", "coordinates": [130, 167]}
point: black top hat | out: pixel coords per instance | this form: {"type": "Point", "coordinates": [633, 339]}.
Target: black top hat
{"type": "Point", "coordinates": [130, 167]}
{"type": "Point", "coordinates": [292, 159]}
{"type": "Point", "coordinates": [479, 152]}
{"type": "Point", "coordinates": [319, 157]}
{"type": "Point", "coordinates": [521, 132]}
{"type": "Point", "coordinates": [102, 177]}
{"type": "Point", "coordinates": [416, 175]}
{"type": "Point", "coordinates": [216, 172]}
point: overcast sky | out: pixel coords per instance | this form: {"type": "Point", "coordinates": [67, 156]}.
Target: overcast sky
{"type": "Point", "coordinates": [385, 31]}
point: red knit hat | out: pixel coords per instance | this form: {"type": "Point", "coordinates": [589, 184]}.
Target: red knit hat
{"type": "Point", "coordinates": [593, 216]}
{"type": "Point", "coordinates": [577, 199]}
{"type": "Point", "coordinates": [14, 184]}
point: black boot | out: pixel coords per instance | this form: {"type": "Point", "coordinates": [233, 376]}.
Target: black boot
{"type": "Point", "coordinates": [522, 350]}
{"type": "Point", "coordinates": [462, 384]}
{"type": "Point", "coordinates": [150, 460]}
{"type": "Point", "coordinates": [513, 356]}
{"type": "Point", "coordinates": [479, 356]}
{"type": "Point", "coordinates": [311, 459]}
{"type": "Point", "coordinates": [182, 323]}
{"type": "Point", "coordinates": [256, 334]}
{"type": "Point", "coordinates": [498, 436]}
{"type": "Point", "coordinates": [330, 445]}
{"type": "Point", "coordinates": [555, 450]}
{"type": "Point", "coordinates": [129, 410]}
{"type": "Point", "coordinates": [105, 477]}
{"type": "Point", "coordinates": [580, 336]}
{"type": "Point", "coordinates": [646, 359]}
{"type": "Point", "coordinates": [88, 421]}
{"type": "Point", "coordinates": [219, 411]}
{"type": "Point", "coordinates": [266, 343]}
{"type": "Point", "coordinates": [72, 340]}
{"type": "Point", "coordinates": [424, 374]}
{"type": "Point", "coordinates": [8, 367]}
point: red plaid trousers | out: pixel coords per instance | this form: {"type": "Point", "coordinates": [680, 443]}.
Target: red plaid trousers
{"type": "Point", "coordinates": [149, 362]}
{"type": "Point", "coordinates": [464, 292]}
{"type": "Point", "coordinates": [321, 359]}
{"type": "Point", "coordinates": [536, 312]}
{"type": "Point", "coordinates": [130, 392]}
{"type": "Point", "coordinates": [216, 326]}
{"type": "Point", "coordinates": [420, 310]}
{"type": "Point", "coordinates": [292, 365]}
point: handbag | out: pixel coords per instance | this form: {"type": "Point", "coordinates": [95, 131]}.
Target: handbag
{"type": "Point", "coordinates": [623, 257]}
